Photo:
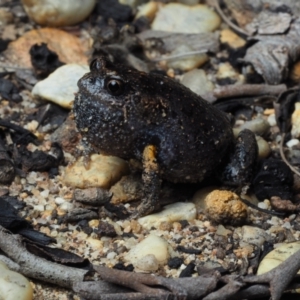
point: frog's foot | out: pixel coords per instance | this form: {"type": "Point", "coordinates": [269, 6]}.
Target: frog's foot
{"type": "Point", "coordinates": [239, 171]}
{"type": "Point", "coordinates": [151, 182]}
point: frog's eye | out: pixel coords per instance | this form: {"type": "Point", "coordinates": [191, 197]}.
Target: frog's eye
{"type": "Point", "coordinates": [115, 87]}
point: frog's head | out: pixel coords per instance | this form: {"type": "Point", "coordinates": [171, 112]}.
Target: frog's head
{"type": "Point", "coordinates": [106, 102]}
{"type": "Point", "coordinates": [112, 83]}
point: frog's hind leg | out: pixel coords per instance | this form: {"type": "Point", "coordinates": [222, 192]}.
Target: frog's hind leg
{"type": "Point", "coordinates": [151, 182]}
{"type": "Point", "coordinates": [240, 169]}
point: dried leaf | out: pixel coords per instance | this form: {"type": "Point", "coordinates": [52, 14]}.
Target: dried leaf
{"type": "Point", "coordinates": [268, 22]}
{"type": "Point", "coordinates": [69, 48]}
{"type": "Point", "coordinates": [272, 55]}
{"type": "Point", "coordinates": [246, 11]}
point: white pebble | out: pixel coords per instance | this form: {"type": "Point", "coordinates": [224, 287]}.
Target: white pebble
{"type": "Point", "coordinates": [254, 235]}
{"type": "Point", "coordinates": [296, 121]}
{"type": "Point", "coordinates": [59, 200]}
{"type": "Point", "coordinates": [292, 142]}
{"type": "Point", "coordinates": [147, 263]}
{"type": "Point", "coordinates": [66, 206]}
{"type": "Point", "coordinates": [176, 17]}
{"type": "Point", "coordinates": [45, 193]}
{"type": "Point", "coordinates": [272, 120]}
{"type": "Point", "coordinates": [154, 245]}
{"type": "Point", "coordinates": [58, 13]}
{"type": "Point", "coordinates": [111, 255]}
{"type": "Point", "coordinates": [197, 81]}
{"type": "Point", "coordinates": [60, 86]}
{"type": "Point", "coordinates": [39, 207]}
{"type": "Point", "coordinates": [14, 285]}
{"type": "Point", "coordinates": [170, 213]}
{"type": "Point", "coordinates": [287, 225]}
{"type": "Point", "coordinates": [277, 256]}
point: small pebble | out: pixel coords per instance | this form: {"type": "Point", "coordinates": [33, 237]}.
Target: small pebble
{"type": "Point", "coordinates": [103, 172]}
{"type": "Point", "coordinates": [176, 17]}
{"type": "Point", "coordinates": [111, 255]}
{"type": "Point", "coordinates": [225, 70]}
{"type": "Point", "coordinates": [277, 256]}
{"type": "Point", "coordinates": [221, 230]}
{"type": "Point", "coordinates": [154, 245]}
{"type": "Point", "coordinates": [14, 285]}
{"type": "Point", "coordinates": [6, 16]}
{"type": "Point", "coordinates": [293, 142]}
{"type": "Point", "coordinates": [263, 205]}
{"type": "Point", "coordinates": [58, 13]}
{"type": "Point", "coordinates": [272, 120]}
{"type": "Point", "coordinates": [170, 213]}
{"type": "Point", "coordinates": [225, 207]}
{"type": "Point", "coordinates": [66, 206]}
{"type": "Point", "coordinates": [59, 200]}
{"type": "Point", "coordinates": [95, 243]}
{"type": "Point", "coordinates": [296, 121]}
{"type": "Point", "coordinates": [229, 37]}
{"type": "Point", "coordinates": [264, 149]}
{"type": "Point", "coordinates": [197, 81]}
{"type": "Point", "coordinates": [258, 126]}
{"type": "Point", "coordinates": [147, 263]}
{"type": "Point", "coordinates": [60, 86]}
{"type": "Point", "coordinates": [254, 235]}
{"type": "Point", "coordinates": [175, 262]}
{"type": "Point", "coordinates": [147, 10]}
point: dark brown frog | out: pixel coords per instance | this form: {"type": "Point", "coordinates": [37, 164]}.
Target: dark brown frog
{"type": "Point", "coordinates": [175, 133]}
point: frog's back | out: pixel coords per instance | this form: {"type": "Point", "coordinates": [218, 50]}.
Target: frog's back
{"type": "Point", "coordinates": [193, 136]}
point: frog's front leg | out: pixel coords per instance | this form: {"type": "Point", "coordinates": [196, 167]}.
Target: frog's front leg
{"type": "Point", "coordinates": [151, 183]}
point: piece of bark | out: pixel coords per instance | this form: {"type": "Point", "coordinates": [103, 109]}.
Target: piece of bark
{"type": "Point", "coordinates": [232, 90]}
{"type": "Point", "coordinates": [245, 11]}
{"type": "Point", "coordinates": [67, 135]}
{"type": "Point", "coordinates": [165, 42]}
{"type": "Point", "coordinates": [280, 277]}
{"type": "Point", "coordinates": [36, 267]}
{"type": "Point", "coordinates": [230, 289]}
{"type": "Point", "coordinates": [188, 288]}
{"type": "Point", "coordinates": [267, 22]}
{"type": "Point", "coordinates": [7, 168]}
{"type": "Point", "coordinates": [272, 55]}
{"type": "Point", "coordinates": [78, 214]}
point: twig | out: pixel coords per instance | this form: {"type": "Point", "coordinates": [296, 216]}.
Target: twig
{"type": "Point", "coordinates": [236, 28]}
{"type": "Point", "coordinates": [283, 156]}
{"type": "Point", "coordinates": [10, 263]}
{"type": "Point", "coordinates": [266, 211]}
{"type": "Point", "coordinates": [36, 267]}
{"type": "Point", "coordinates": [279, 277]}
{"type": "Point", "coordinates": [148, 286]}
{"type": "Point", "coordinates": [235, 90]}
{"type": "Point", "coordinates": [182, 288]}
{"type": "Point", "coordinates": [180, 55]}
{"type": "Point", "coordinates": [227, 291]}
